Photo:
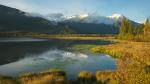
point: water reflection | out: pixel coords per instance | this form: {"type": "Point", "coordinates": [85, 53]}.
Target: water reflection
{"type": "Point", "coordinates": [15, 50]}
{"type": "Point", "coordinates": [34, 55]}
{"type": "Point", "coordinates": [70, 62]}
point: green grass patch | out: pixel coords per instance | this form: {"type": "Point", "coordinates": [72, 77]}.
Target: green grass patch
{"type": "Point", "coordinates": [103, 50]}
{"type": "Point", "coordinates": [82, 48]}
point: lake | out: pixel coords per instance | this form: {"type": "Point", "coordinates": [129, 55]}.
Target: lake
{"type": "Point", "coordinates": [24, 55]}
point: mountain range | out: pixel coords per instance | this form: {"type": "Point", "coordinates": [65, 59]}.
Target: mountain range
{"type": "Point", "coordinates": [14, 20]}
{"type": "Point", "coordinates": [86, 18]}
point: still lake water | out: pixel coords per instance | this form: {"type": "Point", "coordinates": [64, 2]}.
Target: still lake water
{"type": "Point", "coordinates": [23, 55]}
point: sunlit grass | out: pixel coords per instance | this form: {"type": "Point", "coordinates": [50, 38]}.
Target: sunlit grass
{"type": "Point", "coordinates": [104, 76]}
{"type": "Point", "coordinates": [82, 48]}
{"type": "Point", "coordinates": [86, 77]}
{"type": "Point", "coordinates": [49, 77]}
{"type": "Point", "coordinates": [104, 50]}
{"type": "Point", "coordinates": [133, 63]}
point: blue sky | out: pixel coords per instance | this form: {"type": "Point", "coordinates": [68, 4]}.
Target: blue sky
{"type": "Point", "coordinates": [137, 10]}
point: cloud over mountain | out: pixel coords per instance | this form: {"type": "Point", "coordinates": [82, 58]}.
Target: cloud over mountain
{"type": "Point", "coordinates": [85, 18]}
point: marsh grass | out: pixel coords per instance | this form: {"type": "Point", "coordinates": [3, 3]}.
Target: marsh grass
{"type": "Point", "coordinates": [86, 77]}
{"type": "Point", "coordinates": [104, 50]}
{"type": "Point", "coordinates": [103, 77]}
{"type": "Point", "coordinates": [133, 60]}
{"type": "Point", "coordinates": [82, 48]}
{"type": "Point", "coordinates": [49, 77]}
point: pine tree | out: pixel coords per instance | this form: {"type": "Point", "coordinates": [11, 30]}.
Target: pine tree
{"type": "Point", "coordinates": [147, 29]}
{"type": "Point", "coordinates": [139, 30]}
{"type": "Point", "coordinates": [130, 28]}
{"type": "Point", "coordinates": [122, 28]}
{"type": "Point", "coordinates": [126, 30]}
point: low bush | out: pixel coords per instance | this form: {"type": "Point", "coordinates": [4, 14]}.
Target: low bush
{"type": "Point", "coordinates": [85, 77]}
{"type": "Point", "coordinates": [103, 77]}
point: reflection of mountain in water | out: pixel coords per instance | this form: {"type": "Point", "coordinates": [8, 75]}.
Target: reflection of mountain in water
{"type": "Point", "coordinates": [13, 51]}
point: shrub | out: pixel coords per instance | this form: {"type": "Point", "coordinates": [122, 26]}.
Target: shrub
{"type": "Point", "coordinates": [103, 76]}
{"type": "Point", "coordinates": [86, 77]}
{"type": "Point", "coordinates": [147, 68]}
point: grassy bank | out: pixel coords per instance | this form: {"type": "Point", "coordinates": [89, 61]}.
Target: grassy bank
{"type": "Point", "coordinates": [55, 76]}
{"type": "Point", "coordinates": [133, 65]}
{"type": "Point", "coordinates": [134, 50]}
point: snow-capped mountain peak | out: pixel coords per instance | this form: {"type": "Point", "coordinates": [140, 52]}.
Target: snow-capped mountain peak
{"type": "Point", "coordinates": [86, 18]}
{"type": "Point", "coordinates": [83, 16]}
{"type": "Point", "coordinates": [80, 16]}
{"type": "Point", "coordinates": [69, 17]}
{"type": "Point", "coordinates": [116, 16]}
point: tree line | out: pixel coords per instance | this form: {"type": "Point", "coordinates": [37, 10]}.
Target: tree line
{"type": "Point", "coordinates": [129, 31]}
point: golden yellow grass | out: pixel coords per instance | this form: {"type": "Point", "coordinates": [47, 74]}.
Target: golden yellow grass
{"type": "Point", "coordinates": [74, 37]}
{"type": "Point", "coordinates": [85, 74]}
{"type": "Point", "coordinates": [136, 50]}
{"type": "Point", "coordinates": [48, 77]}
{"type": "Point", "coordinates": [103, 75]}
{"type": "Point", "coordinates": [80, 38]}
{"type": "Point", "coordinates": [133, 63]}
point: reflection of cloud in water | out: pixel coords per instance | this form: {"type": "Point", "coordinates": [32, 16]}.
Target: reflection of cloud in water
{"type": "Point", "coordinates": [67, 61]}
{"type": "Point", "coordinates": [74, 55]}
{"type": "Point", "coordinates": [54, 55]}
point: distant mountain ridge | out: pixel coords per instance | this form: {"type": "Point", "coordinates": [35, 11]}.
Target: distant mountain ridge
{"type": "Point", "coordinates": [96, 19]}
{"type": "Point", "coordinates": [87, 18]}
{"type": "Point", "coordinates": [14, 20]}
